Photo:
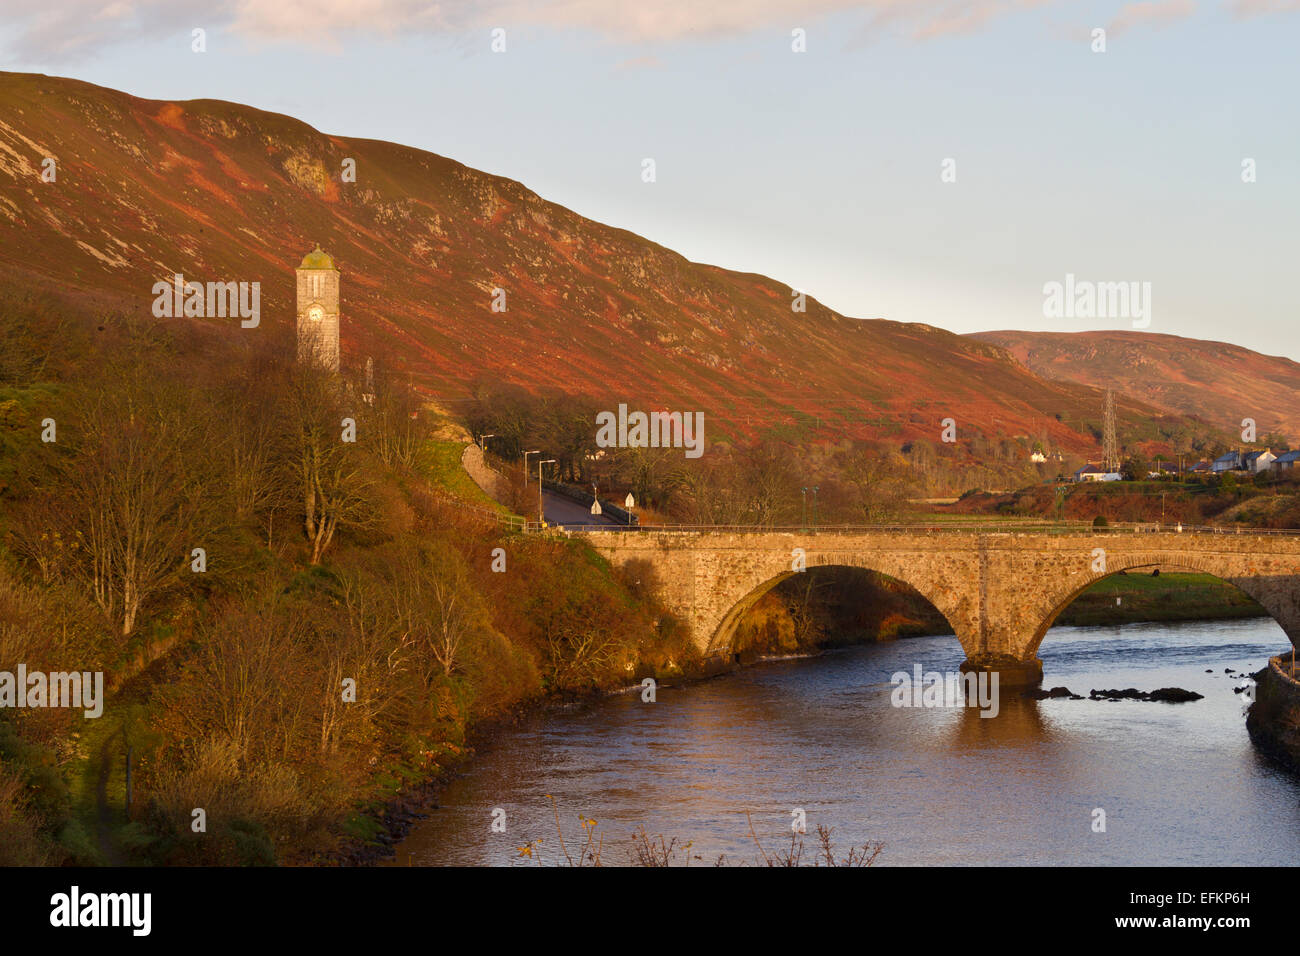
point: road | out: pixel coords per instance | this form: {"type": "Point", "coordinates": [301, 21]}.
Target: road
{"type": "Point", "coordinates": [562, 510]}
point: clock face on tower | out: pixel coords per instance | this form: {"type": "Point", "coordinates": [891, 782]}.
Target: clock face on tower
{"type": "Point", "coordinates": [316, 313]}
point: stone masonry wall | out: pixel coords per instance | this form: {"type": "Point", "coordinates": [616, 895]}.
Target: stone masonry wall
{"type": "Point", "coordinates": [999, 591]}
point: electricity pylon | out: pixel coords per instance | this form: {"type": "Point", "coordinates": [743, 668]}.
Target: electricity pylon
{"type": "Point", "coordinates": [1109, 446]}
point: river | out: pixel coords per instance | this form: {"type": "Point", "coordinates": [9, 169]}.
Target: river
{"type": "Point", "coordinates": [1180, 784]}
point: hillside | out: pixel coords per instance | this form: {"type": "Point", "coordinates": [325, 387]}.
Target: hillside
{"type": "Point", "coordinates": [1222, 383]}
{"type": "Point", "coordinates": [222, 192]}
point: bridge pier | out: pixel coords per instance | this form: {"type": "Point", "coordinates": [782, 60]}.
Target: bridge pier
{"type": "Point", "coordinates": [1011, 671]}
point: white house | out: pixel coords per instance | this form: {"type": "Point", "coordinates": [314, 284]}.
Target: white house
{"type": "Point", "coordinates": [1257, 461]}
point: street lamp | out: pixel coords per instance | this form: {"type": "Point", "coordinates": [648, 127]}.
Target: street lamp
{"type": "Point", "coordinates": [482, 441]}
{"type": "Point", "coordinates": [526, 454]}
{"type": "Point", "coordinates": [541, 513]}
{"type": "Point", "coordinates": [803, 514]}
{"type": "Point", "coordinates": [815, 487]}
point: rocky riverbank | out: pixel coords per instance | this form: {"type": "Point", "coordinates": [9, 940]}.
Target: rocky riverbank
{"type": "Point", "coordinates": [1273, 720]}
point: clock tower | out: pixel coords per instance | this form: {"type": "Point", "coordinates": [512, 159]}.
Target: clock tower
{"type": "Point", "coordinates": [318, 310]}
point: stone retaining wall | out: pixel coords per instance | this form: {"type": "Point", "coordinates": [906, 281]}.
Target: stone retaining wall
{"type": "Point", "coordinates": [1274, 718]}
{"type": "Point", "coordinates": [493, 483]}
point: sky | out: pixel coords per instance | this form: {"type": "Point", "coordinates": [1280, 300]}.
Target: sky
{"type": "Point", "coordinates": [918, 160]}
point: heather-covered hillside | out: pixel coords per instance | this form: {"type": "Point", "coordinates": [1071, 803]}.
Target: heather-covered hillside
{"type": "Point", "coordinates": [221, 192]}
{"type": "Point", "coordinates": [1222, 383]}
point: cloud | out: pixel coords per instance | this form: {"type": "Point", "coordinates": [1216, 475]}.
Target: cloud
{"type": "Point", "coordinates": [80, 27]}
{"type": "Point", "coordinates": [959, 18]}
{"type": "Point", "coordinates": [1253, 8]}
{"type": "Point", "coordinates": [1157, 13]}
{"type": "Point", "coordinates": [312, 21]}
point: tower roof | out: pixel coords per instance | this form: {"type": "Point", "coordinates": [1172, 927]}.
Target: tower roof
{"type": "Point", "coordinates": [317, 259]}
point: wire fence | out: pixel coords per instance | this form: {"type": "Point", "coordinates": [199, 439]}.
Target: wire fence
{"type": "Point", "coordinates": [511, 522]}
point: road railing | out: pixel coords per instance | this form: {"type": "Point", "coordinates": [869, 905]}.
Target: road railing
{"type": "Point", "coordinates": [1063, 528]}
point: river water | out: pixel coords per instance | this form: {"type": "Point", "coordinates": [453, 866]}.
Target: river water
{"type": "Point", "coordinates": [1180, 784]}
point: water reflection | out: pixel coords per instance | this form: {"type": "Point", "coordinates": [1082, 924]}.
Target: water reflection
{"type": "Point", "coordinates": [1020, 722]}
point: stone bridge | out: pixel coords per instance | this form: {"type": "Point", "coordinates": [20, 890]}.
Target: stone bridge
{"type": "Point", "coordinates": [1000, 591]}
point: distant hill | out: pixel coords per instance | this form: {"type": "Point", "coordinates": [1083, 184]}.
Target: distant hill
{"type": "Point", "coordinates": [222, 192]}
{"type": "Point", "coordinates": [1222, 383]}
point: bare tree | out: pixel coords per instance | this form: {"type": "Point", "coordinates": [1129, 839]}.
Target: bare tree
{"type": "Point", "coordinates": [40, 533]}
{"type": "Point", "coordinates": [250, 464]}
{"type": "Point", "coordinates": [137, 480]}
{"type": "Point", "coordinates": [327, 469]}
{"type": "Point", "coordinates": [436, 607]}
{"type": "Point", "coordinates": [879, 483]}
{"type": "Point", "coordinates": [767, 473]}
{"type": "Point", "coordinates": [244, 682]}
{"type": "Point", "coordinates": [397, 426]}
{"type": "Point", "coordinates": [369, 649]}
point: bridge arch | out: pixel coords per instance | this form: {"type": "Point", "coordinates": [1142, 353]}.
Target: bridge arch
{"type": "Point", "coordinates": [1280, 603]}
{"type": "Point", "coordinates": [743, 592]}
